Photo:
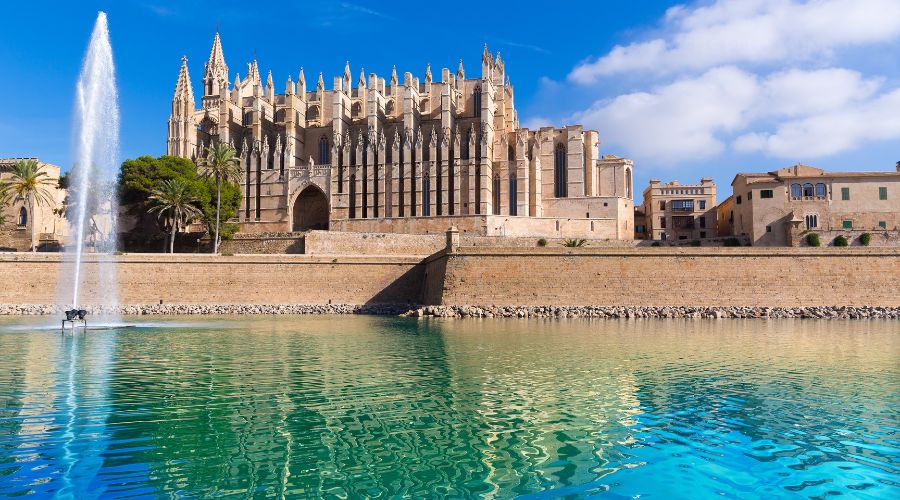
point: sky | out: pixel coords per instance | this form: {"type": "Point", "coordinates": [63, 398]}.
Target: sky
{"type": "Point", "coordinates": [685, 89]}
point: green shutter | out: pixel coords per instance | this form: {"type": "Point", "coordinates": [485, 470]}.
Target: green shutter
{"type": "Point", "coordinates": [848, 224]}
{"type": "Point", "coordinates": [882, 224]}
{"type": "Point", "coordinates": [845, 194]}
{"type": "Point", "coordinates": [882, 193]}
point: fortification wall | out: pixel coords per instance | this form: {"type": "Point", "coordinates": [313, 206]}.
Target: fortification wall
{"type": "Point", "coordinates": [205, 279]}
{"type": "Point", "coordinates": [790, 277]}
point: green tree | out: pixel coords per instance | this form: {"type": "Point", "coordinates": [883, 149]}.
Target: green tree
{"type": "Point", "coordinates": [139, 178]}
{"type": "Point", "coordinates": [221, 165]}
{"type": "Point", "coordinates": [32, 185]}
{"type": "Point", "coordinates": [174, 201]}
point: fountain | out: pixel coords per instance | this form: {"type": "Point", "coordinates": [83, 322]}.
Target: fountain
{"type": "Point", "coordinates": [93, 205]}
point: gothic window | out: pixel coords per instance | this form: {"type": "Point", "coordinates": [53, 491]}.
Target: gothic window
{"type": "Point", "coordinates": [513, 193]}
{"type": "Point", "coordinates": [796, 191]}
{"type": "Point", "coordinates": [812, 221]}
{"type": "Point", "coordinates": [476, 101]}
{"type": "Point", "coordinates": [426, 194]}
{"type": "Point", "coordinates": [510, 153]}
{"type": "Point", "coordinates": [560, 189]}
{"type": "Point", "coordinates": [323, 151]}
{"type": "Point", "coordinates": [820, 190]}
{"type": "Point", "coordinates": [23, 217]}
{"type": "Point", "coordinates": [340, 186]}
{"type": "Point", "coordinates": [497, 194]}
{"type": "Point", "coordinates": [464, 146]}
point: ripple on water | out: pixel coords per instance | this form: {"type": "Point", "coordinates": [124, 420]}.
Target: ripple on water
{"type": "Point", "coordinates": [365, 406]}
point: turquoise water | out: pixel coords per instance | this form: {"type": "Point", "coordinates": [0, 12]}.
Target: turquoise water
{"type": "Point", "coordinates": [350, 407]}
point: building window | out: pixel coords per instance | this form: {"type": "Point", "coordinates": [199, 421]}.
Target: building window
{"type": "Point", "coordinates": [796, 191]}
{"type": "Point", "coordinates": [812, 221]}
{"type": "Point", "coordinates": [703, 234]}
{"type": "Point", "coordinates": [820, 190]}
{"type": "Point", "coordinates": [808, 190]}
{"type": "Point", "coordinates": [560, 189]}
{"type": "Point", "coordinates": [23, 217]}
{"type": "Point", "coordinates": [662, 205]}
{"type": "Point", "coordinates": [845, 193]}
{"type": "Point", "coordinates": [847, 224]}
{"type": "Point", "coordinates": [639, 229]}
{"type": "Point", "coordinates": [497, 194]}
{"type": "Point", "coordinates": [749, 195]}
{"type": "Point", "coordinates": [323, 151]}
{"type": "Point", "coordinates": [737, 200]}
{"type": "Point", "coordinates": [882, 224]}
{"type": "Point", "coordinates": [662, 222]}
{"type": "Point", "coordinates": [702, 204]}
{"type": "Point", "coordinates": [702, 222]}
{"type": "Point", "coordinates": [683, 222]}
{"type": "Point", "coordinates": [882, 193]}
{"type": "Point", "coordinates": [513, 194]}
{"type": "Point", "coordinates": [476, 102]}
{"type": "Point", "coordinates": [683, 205]}
{"type": "Point", "coordinates": [766, 193]}
{"type": "Point", "coordinates": [426, 195]}
{"type": "Point", "coordinates": [768, 229]}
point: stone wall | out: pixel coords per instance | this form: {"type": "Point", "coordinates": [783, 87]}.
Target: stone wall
{"type": "Point", "coordinates": [14, 240]}
{"type": "Point", "coordinates": [789, 277]}
{"type": "Point", "coordinates": [208, 279]}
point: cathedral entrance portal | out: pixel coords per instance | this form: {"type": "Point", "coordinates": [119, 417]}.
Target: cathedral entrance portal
{"type": "Point", "coordinates": [311, 210]}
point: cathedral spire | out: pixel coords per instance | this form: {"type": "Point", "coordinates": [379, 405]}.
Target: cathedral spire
{"type": "Point", "coordinates": [394, 76]}
{"type": "Point", "coordinates": [321, 85]}
{"type": "Point", "coordinates": [253, 73]}
{"type": "Point", "coordinates": [347, 77]}
{"type": "Point", "coordinates": [460, 72]}
{"type": "Point", "coordinates": [289, 87]}
{"type": "Point", "coordinates": [183, 90]}
{"type": "Point", "coordinates": [428, 77]}
{"type": "Point", "coordinates": [362, 78]}
{"type": "Point", "coordinates": [215, 74]}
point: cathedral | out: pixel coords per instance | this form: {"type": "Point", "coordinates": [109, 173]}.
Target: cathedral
{"type": "Point", "coordinates": [410, 155]}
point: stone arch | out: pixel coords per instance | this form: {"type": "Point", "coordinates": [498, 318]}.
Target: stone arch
{"type": "Point", "coordinates": [310, 209]}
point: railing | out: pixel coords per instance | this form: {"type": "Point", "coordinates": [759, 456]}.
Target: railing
{"type": "Point", "coordinates": [307, 171]}
{"type": "Point", "coordinates": [809, 198]}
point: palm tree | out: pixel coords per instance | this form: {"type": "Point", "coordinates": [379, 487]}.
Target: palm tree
{"type": "Point", "coordinates": [32, 185]}
{"type": "Point", "coordinates": [222, 165]}
{"type": "Point", "coordinates": [174, 200]}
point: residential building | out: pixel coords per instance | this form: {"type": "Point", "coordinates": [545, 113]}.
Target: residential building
{"type": "Point", "coordinates": [674, 211]}
{"type": "Point", "coordinates": [775, 208]}
{"type": "Point", "coordinates": [19, 216]}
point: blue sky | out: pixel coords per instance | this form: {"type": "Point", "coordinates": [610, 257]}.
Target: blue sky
{"type": "Point", "coordinates": [684, 88]}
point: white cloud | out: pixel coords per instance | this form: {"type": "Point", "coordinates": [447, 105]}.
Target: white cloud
{"type": "Point", "coordinates": [826, 111]}
{"type": "Point", "coordinates": [749, 31]}
{"type": "Point", "coordinates": [831, 132]}
{"type": "Point", "coordinates": [679, 121]}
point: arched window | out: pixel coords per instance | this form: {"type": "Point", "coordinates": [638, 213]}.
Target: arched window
{"type": "Point", "coordinates": [476, 102]}
{"type": "Point", "coordinates": [628, 184]}
{"type": "Point", "coordinates": [23, 217]}
{"type": "Point", "coordinates": [513, 190]}
{"type": "Point", "coordinates": [497, 197]}
{"type": "Point", "coordinates": [464, 146]}
{"type": "Point", "coordinates": [796, 191]}
{"type": "Point", "coordinates": [808, 190]}
{"type": "Point", "coordinates": [812, 221]}
{"type": "Point", "coordinates": [820, 190]}
{"type": "Point", "coordinates": [323, 151]}
{"type": "Point", "coordinates": [340, 173]}
{"type": "Point", "coordinates": [560, 189]}
{"type": "Point", "coordinates": [510, 153]}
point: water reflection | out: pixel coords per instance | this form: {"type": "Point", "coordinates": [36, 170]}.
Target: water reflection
{"type": "Point", "coordinates": [363, 406]}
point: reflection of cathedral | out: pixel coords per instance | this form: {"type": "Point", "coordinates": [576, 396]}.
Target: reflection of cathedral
{"type": "Point", "coordinates": [357, 158]}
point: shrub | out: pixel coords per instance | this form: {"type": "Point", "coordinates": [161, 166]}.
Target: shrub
{"type": "Point", "coordinates": [732, 242]}
{"type": "Point", "coordinates": [572, 243]}
{"type": "Point", "coordinates": [841, 241]}
{"type": "Point", "coordinates": [695, 243]}
{"type": "Point", "coordinates": [865, 239]}
{"type": "Point", "coordinates": [812, 239]}
{"type": "Point", "coordinates": [542, 242]}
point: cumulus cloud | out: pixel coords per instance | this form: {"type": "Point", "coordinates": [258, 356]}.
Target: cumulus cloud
{"type": "Point", "coordinates": [749, 31]}
{"type": "Point", "coordinates": [826, 111]}
{"type": "Point", "coordinates": [748, 76]}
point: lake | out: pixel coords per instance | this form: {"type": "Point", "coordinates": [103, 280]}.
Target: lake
{"type": "Point", "coordinates": [362, 406]}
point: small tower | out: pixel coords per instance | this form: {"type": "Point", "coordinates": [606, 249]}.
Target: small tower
{"type": "Point", "coordinates": [270, 88]}
{"type": "Point", "coordinates": [460, 72]}
{"type": "Point", "coordinates": [182, 129]}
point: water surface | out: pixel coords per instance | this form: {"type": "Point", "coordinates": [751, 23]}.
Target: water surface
{"type": "Point", "coordinates": [377, 407]}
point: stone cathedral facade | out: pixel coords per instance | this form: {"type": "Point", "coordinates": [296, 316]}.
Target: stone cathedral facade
{"type": "Point", "coordinates": [410, 155]}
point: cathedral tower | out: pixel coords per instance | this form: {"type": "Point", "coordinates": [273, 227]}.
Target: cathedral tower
{"type": "Point", "coordinates": [182, 129]}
